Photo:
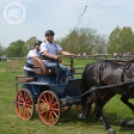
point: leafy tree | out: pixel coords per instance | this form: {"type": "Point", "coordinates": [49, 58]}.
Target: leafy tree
{"type": "Point", "coordinates": [121, 40]}
{"type": "Point", "coordinates": [30, 44]}
{"type": "Point", "coordinates": [82, 40]}
{"type": "Point", "coordinates": [1, 49]}
{"type": "Point", "coordinates": [16, 49]}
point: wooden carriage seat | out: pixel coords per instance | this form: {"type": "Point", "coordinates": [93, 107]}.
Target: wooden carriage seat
{"type": "Point", "coordinates": [42, 70]}
{"type": "Point", "coordinates": [22, 78]}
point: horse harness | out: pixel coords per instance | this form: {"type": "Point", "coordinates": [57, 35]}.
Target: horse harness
{"type": "Point", "coordinates": [125, 67]}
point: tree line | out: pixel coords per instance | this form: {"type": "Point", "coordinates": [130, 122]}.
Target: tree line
{"type": "Point", "coordinates": [79, 41]}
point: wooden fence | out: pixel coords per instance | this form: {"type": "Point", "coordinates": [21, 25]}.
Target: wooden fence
{"type": "Point", "coordinates": [13, 65]}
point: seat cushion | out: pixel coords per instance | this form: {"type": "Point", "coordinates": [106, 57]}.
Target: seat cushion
{"type": "Point", "coordinates": [40, 67]}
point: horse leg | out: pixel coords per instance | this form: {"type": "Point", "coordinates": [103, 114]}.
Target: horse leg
{"type": "Point", "coordinates": [124, 99]}
{"type": "Point", "coordinates": [84, 115]}
{"type": "Point", "coordinates": [107, 97]}
{"type": "Point", "coordinates": [102, 101]}
{"type": "Point", "coordinates": [107, 125]}
{"type": "Point", "coordinates": [87, 108]}
{"type": "Point", "coordinates": [99, 114]}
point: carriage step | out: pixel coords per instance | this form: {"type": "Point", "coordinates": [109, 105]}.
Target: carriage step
{"type": "Point", "coordinates": [26, 80]}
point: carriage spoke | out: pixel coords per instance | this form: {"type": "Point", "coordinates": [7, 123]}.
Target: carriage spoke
{"type": "Point", "coordinates": [22, 93]}
{"type": "Point", "coordinates": [23, 111]}
{"type": "Point", "coordinates": [42, 100]}
{"type": "Point", "coordinates": [49, 97]}
{"type": "Point", "coordinates": [21, 98]}
{"type": "Point", "coordinates": [46, 100]}
{"type": "Point", "coordinates": [30, 111]}
{"type": "Point", "coordinates": [42, 112]}
{"type": "Point", "coordinates": [28, 101]}
{"type": "Point", "coordinates": [29, 105]}
{"type": "Point", "coordinates": [26, 113]}
{"type": "Point", "coordinates": [25, 94]}
{"type": "Point", "coordinates": [55, 109]}
{"type": "Point", "coordinates": [51, 102]}
{"type": "Point", "coordinates": [52, 117]}
{"type": "Point", "coordinates": [46, 115]}
{"type": "Point", "coordinates": [20, 108]}
{"type": "Point", "coordinates": [55, 114]}
{"type": "Point", "coordinates": [54, 104]}
{"type": "Point", "coordinates": [19, 103]}
{"type": "Point", "coordinates": [49, 117]}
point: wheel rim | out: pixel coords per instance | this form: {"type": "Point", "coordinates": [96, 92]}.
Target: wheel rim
{"type": "Point", "coordinates": [49, 107]}
{"type": "Point", "coordinates": [25, 104]}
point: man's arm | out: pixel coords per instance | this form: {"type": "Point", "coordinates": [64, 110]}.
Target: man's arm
{"type": "Point", "coordinates": [66, 53]}
{"type": "Point", "coordinates": [47, 54]}
{"type": "Point", "coordinates": [31, 54]}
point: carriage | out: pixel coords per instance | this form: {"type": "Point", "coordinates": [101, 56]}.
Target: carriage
{"type": "Point", "coordinates": [51, 97]}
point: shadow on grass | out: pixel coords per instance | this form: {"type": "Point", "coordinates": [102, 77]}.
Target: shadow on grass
{"type": "Point", "coordinates": [71, 117]}
{"type": "Point", "coordinates": [70, 120]}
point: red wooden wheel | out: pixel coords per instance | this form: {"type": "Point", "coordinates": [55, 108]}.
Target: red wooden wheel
{"type": "Point", "coordinates": [25, 104]}
{"type": "Point", "coordinates": [49, 107]}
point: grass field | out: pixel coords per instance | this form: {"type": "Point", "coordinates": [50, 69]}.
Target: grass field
{"type": "Point", "coordinates": [10, 123]}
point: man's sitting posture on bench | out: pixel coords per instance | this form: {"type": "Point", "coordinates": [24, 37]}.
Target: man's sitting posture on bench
{"type": "Point", "coordinates": [28, 68]}
{"type": "Point", "coordinates": [48, 51]}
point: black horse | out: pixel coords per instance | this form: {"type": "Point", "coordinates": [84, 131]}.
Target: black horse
{"type": "Point", "coordinates": [105, 73]}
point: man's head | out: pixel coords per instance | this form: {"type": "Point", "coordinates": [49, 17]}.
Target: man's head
{"type": "Point", "coordinates": [37, 45]}
{"type": "Point", "coordinates": [49, 34]}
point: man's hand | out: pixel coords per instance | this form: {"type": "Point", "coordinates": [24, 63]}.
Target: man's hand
{"type": "Point", "coordinates": [71, 55]}
{"type": "Point", "coordinates": [57, 58]}
{"type": "Point", "coordinates": [67, 54]}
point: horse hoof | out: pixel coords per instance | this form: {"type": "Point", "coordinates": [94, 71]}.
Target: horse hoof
{"type": "Point", "coordinates": [100, 119]}
{"type": "Point", "coordinates": [127, 123]}
{"type": "Point", "coordinates": [81, 116]}
{"type": "Point", "coordinates": [124, 122]}
{"type": "Point", "coordinates": [111, 131]}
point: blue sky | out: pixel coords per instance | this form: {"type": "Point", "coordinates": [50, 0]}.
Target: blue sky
{"type": "Point", "coordinates": [61, 16]}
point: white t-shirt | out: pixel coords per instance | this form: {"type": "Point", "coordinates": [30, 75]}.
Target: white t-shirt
{"type": "Point", "coordinates": [50, 47]}
{"type": "Point", "coordinates": [29, 59]}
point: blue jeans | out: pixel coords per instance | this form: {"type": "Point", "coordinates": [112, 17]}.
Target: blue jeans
{"type": "Point", "coordinates": [53, 65]}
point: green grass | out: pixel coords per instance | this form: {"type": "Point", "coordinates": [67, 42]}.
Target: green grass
{"type": "Point", "coordinates": [10, 123]}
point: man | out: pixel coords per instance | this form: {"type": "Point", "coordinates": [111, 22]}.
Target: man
{"type": "Point", "coordinates": [28, 68]}
{"type": "Point", "coordinates": [49, 49]}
